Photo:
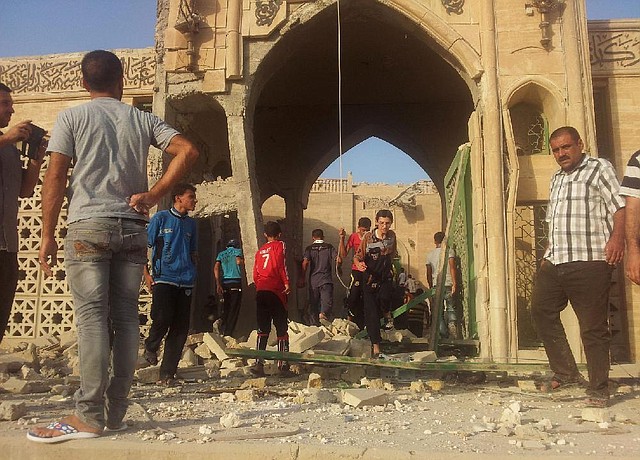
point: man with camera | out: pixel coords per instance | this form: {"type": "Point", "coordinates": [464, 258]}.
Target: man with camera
{"type": "Point", "coordinates": [15, 182]}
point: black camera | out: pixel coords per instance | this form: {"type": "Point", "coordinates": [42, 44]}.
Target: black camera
{"type": "Point", "coordinates": [31, 145]}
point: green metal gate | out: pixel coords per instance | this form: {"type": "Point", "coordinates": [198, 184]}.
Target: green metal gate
{"type": "Point", "coordinates": [459, 236]}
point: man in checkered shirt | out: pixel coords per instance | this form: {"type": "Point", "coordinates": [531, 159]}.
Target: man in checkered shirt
{"type": "Point", "coordinates": [586, 240]}
{"type": "Point", "coordinates": [630, 188]}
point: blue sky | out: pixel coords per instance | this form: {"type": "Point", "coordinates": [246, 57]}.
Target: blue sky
{"type": "Point", "coordinates": [38, 27]}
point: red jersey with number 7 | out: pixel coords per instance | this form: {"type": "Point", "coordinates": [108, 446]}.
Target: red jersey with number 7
{"type": "Point", "coordinates": [270, 271]}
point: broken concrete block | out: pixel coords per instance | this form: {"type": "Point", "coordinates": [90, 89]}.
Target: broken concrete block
{"type": "Point", "coordinates": [247, 395]}
{"type": "Point", "coordinates": [360, 397]}
{"type": "Point", "coordinates": [18, 386]}
{"type": "Point", "coordinates": [149, 374]}
{"type": "Point", "coordinates": [320, 396]}
{"type": "Point", "coordinates": [407, 334]}
{"type": "Point", "coordinates": [418, 387]}
{"type": "Point", "coordinates": [338, 346]}
{"type": "Point", "coordinates": [527, 385]}
{"type": "Point", "coordinates": [594, 414]}
{"type": "Point", "coordinates": [391, 336]}
{"type": "Point", "coordinates": [194, 339]}
{"type": "Point", "coordinates": [258, 383]}
{"type": "Point", "coordinates": [216, 345]}
{"type": "Point", "coordinates": [233, 372]}
{"type": "Point", "coordinates": [189, 358]}
{"type": "Point", "coordinates": [64, 390]}
{"type": "Point", "coordinates": [230, 341]}
{"type": "Point", "coordinates": [359, 348]}
{"type": "Point", "coordinates": [28, 373]}
{"type": "Point", "coordinates": [192, 373]}
{"type": "Point", "coordinates": [620, 417]}
{"type": "Point", "coordinates": [424, 357]}
{"type": "Point", "coordinates": [308, 338]}
{"type": "Point", "coordinates": [343, 326]}
{"type": "Point", "coordinates": [315, 381]}
{"type": "Point", "coordinates": [234, 363]}
{"type": "Point", "coordinates": [12, 362]}
{"type": "Point", "coordinates": [203, 351]}
{"type": "Point", "coordinates": [376, 384]}
{"type": "Point", "coordinates": [10, 410]}
{"type": "Point", "coordinates": [530, 432]}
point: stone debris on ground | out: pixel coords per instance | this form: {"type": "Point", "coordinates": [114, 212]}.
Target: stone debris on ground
{"type": "Point", "coordinates": [217, 399]}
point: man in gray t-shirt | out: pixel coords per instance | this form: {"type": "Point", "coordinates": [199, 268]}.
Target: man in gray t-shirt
{"type": "Point", "coordinates": [448, 323]}
{"type": "Point", "coordinates": [106, 142]}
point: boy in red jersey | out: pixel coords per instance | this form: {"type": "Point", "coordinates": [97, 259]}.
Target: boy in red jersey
{"type": "Point", "coordinates": [354, 300]}
{"type": "Point", "coordinates": [272, 287]}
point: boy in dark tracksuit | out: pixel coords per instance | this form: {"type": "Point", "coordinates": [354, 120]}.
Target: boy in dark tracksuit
{"type": "Point", "coordinates": [375, 258]}
{"type": "Point", "coordinates": [272, 287]}
{"type": "Point", "coordinates": [319, 257]}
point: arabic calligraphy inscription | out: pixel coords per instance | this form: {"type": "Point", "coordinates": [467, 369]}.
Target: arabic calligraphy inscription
{"type": "Point", "coordinates": [615, 50]}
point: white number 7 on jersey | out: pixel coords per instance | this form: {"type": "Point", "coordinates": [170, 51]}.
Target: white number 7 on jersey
{"type": "Point", "coordinates": [266, 260]}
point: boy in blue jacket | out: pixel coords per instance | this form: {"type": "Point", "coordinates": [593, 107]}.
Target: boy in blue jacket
{"type": "Point", "coordinates": [173, 242]}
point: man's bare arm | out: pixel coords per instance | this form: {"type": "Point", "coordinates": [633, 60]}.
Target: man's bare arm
{"type": "Point", "coordinates": [217, 275]}
{"type": "Point", "coordinates": [614, 249]}
{"type": "Point", "coordinates": [454, 275]}
{"type": "Point", "coordinates": [632, 235]}
{"type": "Point", "coordinates": [53, 188]}
{"type": "Point", "coordinates": [185, 154]}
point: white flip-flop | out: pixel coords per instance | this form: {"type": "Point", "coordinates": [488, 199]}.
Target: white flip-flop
{"type": "Point", "coordinates": [69, 432]}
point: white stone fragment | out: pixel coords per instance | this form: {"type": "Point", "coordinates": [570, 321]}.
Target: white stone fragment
{"type": "Point", "coordinates": [230, 420]}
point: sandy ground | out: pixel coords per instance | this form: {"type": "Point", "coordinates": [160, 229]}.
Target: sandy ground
{"type": "Point", "coordinates": [493, 417]}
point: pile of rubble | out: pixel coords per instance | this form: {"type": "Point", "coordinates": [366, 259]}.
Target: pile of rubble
{"type": "Point", "coordinates": [341, 405]}
{"type": "Point", "coordinates": [204, 355]}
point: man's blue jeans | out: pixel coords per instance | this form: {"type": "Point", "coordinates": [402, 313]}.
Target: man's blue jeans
{"type": "Point", "coordinates": [104, 259]}
{"type": "Point", "coordinates": [449, 314]}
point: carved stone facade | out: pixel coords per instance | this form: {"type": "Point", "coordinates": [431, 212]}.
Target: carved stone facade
{"type": "Point", "coordinates": [255, 85]}
{"type": "Point", "coordinates": [59, 74]}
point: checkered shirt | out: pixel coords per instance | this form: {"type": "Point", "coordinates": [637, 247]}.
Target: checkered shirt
{"type": "Point", "coordinates": [631, 182]}
{"type": "Point", "coordinates": [580, 213]}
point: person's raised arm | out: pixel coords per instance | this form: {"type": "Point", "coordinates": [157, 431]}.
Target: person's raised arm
{"type": "Point", "coordinates": [31, 173]}
{"type": "Point", "coordinates": [358, 257]}
{"type": "Point", "coordinates": [184, 156]}
{"type": "Point", "coordinates": [342, 245]}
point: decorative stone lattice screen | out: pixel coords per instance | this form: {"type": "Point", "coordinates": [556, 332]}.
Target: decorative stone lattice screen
{"type": "Point", "coordinates": [43, 306]}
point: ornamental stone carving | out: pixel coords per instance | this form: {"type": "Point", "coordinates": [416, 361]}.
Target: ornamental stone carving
{"type": "Point", "coordinates": [62, 74]}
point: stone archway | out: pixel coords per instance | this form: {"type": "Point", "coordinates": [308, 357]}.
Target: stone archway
{"type": "Point", "coordinates": [412, 85]}
{"type": "Point", "coordinates": [400, 81]}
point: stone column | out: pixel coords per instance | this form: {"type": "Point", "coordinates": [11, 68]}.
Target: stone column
{"type": "Point", "coordinates": [293, 236]}
{"type": "Point", "coordinates": [248, 194]}
{"type": "Point", "coordinates": [494, 190]}
{"type": "Point", "coordinates": [578, 102]}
